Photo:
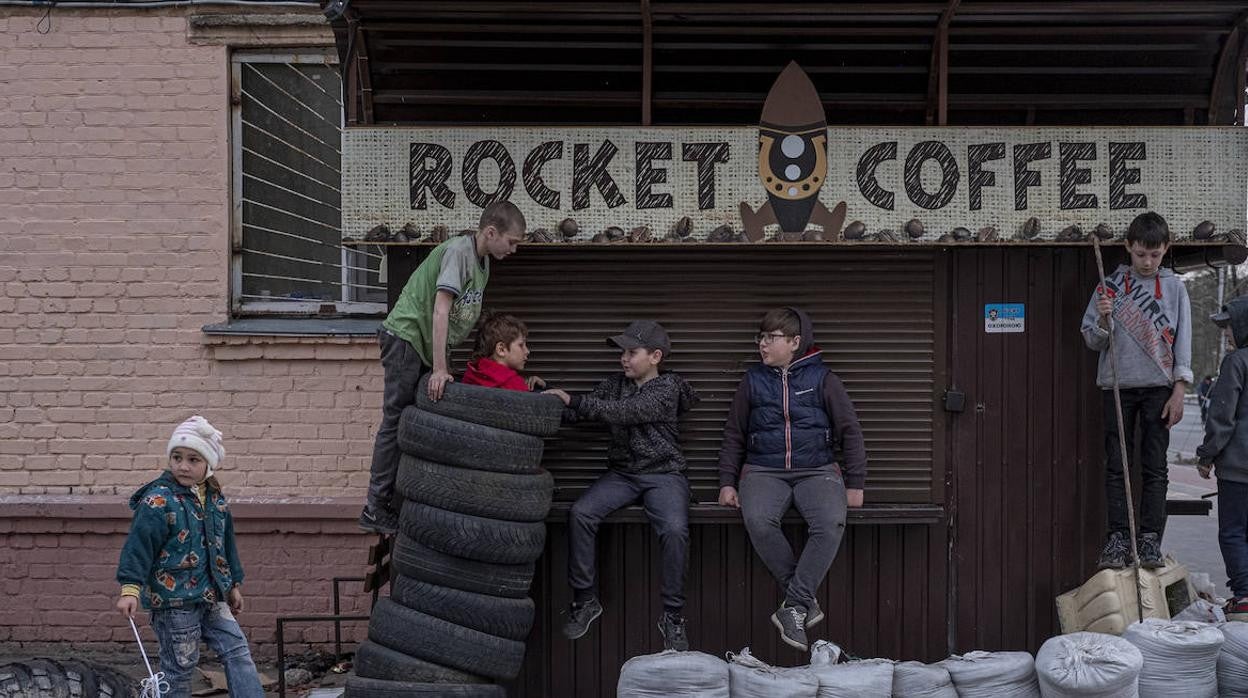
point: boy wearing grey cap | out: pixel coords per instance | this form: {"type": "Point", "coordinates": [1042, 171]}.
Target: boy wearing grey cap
{"type": "Point", "coordinates": [640, 405]}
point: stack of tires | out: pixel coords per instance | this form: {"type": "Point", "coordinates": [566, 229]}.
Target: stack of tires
{"type": "Point", "coordinates": [470, 531]}
{"type": "Point", "coordinates": [52, 678]}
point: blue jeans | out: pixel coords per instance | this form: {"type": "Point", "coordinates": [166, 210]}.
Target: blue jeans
{"type": "Point", "coordinates": [1233, 533]}
{"type": "Point", "coordinates": [179, 631]}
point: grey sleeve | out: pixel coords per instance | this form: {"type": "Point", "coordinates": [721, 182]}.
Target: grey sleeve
{"type": "Point", "coordinates": [1183, 339]}
{"type": "Point", "coordinates": [456, 269]}
{"type": "Point", "coordinates": [1223, 404]}
{"type": "Point", "coordinates": [1095, 336]}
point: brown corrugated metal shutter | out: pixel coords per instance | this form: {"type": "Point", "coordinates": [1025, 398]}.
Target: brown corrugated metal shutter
{"type": "Point", "coordinates": [874, 314]}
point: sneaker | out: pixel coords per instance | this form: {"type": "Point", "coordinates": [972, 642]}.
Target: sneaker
{"type": "Point", "coordinates": [380, 521]}
{"type": "Point", "coordinates": [580, 617]}
{"type": "Point", "coordinates": [672, 628]}
{"type": "Point", "coordinates": [791, 622]}
{"type": "Point", "coordinates": [813, 616]}
{"type": "Point", "coordinates": [1116, 553]}
{"type": "Point", "coordinates": [1237, 609]}
{"type": "Point", "coordinates": [1149, 546]}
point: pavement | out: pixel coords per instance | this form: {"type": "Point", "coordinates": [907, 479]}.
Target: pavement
{"type": "Point", "coordinates": [1193, 540]}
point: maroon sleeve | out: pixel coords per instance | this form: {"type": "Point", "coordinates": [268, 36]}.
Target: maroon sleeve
{"type": "Point", "coordinates": [732, 450]}
{"type": "Point", "coordinates": [845, 430]}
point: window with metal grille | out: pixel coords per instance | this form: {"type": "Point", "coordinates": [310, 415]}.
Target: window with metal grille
{"type": "Point", "coordinates": [287, 216]}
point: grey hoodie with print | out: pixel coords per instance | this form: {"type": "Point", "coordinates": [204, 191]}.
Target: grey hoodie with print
{"type": "Point", "coordinates": [1226, 429]}
{"type": "Point", "coordinates": [1152, 330]}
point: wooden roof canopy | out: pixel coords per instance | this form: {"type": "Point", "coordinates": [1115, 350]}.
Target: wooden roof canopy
{"type": "Point", "coordinates": [955, 62]}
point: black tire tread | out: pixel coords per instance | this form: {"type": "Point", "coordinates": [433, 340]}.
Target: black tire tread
{"type": "Point", "coordinates": [507, 618]}
{"type": "Point", "coordinates": [373, 661]}
{"type": "Point", "coordinates": [512, 410]}
{"type": "Point", "coordinates": [473, 537]}
{"type": "Point", "coordinates": [434, 640]}
{"type": "Point", "coordinates": [451, 441]}
{"type": "Point", "coordinates": [506, 496]}
{"type": "Point", "coordinates": [414, 560]}
{"type": "Point", "coordinates": [361, 687]}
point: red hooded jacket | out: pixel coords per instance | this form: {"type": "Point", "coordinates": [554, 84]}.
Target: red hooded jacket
{"type": "Point", "coordinates": [490, 373]}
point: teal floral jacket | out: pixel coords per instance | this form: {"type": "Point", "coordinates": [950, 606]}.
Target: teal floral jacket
{"type": "Point", "coordinates": [179, 551]}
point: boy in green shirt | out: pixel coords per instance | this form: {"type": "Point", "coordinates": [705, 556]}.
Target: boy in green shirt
{"type": "Point", "coordinates": [436, 310]}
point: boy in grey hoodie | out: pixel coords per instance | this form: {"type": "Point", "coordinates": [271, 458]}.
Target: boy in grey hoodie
{"type": "Point", "coordinates": [1153, 346]}
{"type": "Point", "coordinates": [1226, 448]}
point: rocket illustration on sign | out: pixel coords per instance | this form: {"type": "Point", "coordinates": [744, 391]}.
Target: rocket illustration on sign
{"type": "Point", "coordinates": [792, 160]}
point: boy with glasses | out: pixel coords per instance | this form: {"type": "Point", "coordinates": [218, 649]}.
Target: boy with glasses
{"type": "Point", "coordinates": [786, 420]}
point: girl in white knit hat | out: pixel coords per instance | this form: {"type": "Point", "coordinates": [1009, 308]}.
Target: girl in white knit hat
{"type": "Point", "coordinates": [181, 563]}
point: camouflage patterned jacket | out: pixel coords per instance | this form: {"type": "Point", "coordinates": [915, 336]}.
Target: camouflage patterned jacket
{"type": "Point", "coordinates": [180, 551]}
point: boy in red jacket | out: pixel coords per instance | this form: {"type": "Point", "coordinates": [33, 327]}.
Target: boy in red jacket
{"type": "Point", "coordinates": [500, 353]}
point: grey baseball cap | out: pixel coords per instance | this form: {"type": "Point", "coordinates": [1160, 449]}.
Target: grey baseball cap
{"type": "Point", "coordinates": [643, 333]}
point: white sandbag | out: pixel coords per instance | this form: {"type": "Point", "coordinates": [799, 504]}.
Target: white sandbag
{"type": "Point", "coordinates": [1233, 661]}
{"type": "Point", "coordinates": [993, 675]}
{"type": "Point", "coordinates": [1088, 665]}
{"type": "Point", "coordinates": [1180, 657]}
{"type": "Point", "coordinates": [824, 652]}
{"type": "Point", "coordinates": [1201, 611]}
{"type": "Point", "coordinates": [673, 674]}
{"type": "Point", "coordinates": [919, 680]}
{"type": "Point", "coordinates": [867, 678]}
{"type": "Point", "coordinates": [750, 677]}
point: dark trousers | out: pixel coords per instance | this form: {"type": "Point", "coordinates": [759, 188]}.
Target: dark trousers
{"type": "Point", "coordinates": [1140, 406]}
{"type": "Point", "coordinates": [819, 495]}
{"type": "Point", "coordinates": [665, 498]}
{"type": "Point", "coordinates": [1233, 533]}
{"type": "Point", "coordinates": [403, 368]}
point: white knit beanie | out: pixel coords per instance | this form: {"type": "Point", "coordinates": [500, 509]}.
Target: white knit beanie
{"type": "Point", "coordinates": [197, 434]}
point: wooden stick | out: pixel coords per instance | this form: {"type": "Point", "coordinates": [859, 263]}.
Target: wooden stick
{"type": "Point", "coordinates": [1122, 435]}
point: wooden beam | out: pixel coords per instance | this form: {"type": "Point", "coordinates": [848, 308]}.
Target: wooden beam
{"type": "Point", "coordinates": [647, 64]}
{"type": "Point", "coordinates": [365, 76]}
{"type": "Point", "coordinates": [938, 74]}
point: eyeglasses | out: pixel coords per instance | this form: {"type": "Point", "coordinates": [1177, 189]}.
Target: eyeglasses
{"type": "Point", "coordinates": [769, 338]}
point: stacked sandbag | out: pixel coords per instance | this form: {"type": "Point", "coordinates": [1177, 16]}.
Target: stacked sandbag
{"type": "Point", "coordinates": [919, 680]}
{"type": "Point", "coordinates": [993, 675]}
{"type": "Point", "coordinates": [471, 527]}
{"type": "Point", "coordinates": [750, 677]}
{"type": "Point", "coordinates": [1088, 665]}
{"type": "Point", "coordinates": [1180, 657]}
{"type": "Point", "coordinates": [867, 678]}
{"type": "Point", "coordinates": [672, 674]}
{"type": "Point", "coordinates": [1233, 661]}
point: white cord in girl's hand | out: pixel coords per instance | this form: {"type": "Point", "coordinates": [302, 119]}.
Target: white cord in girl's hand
{"type": "Point", "coordinates": [155, 685]}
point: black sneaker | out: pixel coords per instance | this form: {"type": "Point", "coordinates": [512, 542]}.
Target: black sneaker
{"type": "Point", "coordinates": [791, 622]}
{"type": "Point", "coordinates": [378, 520]}
{"type": "Point", "coordinates": [1149, 545]}
{"type": "Point", "coordinates": [1116, 554]}
{"type": "Point", "coordinates": [672, 628]}
{"type": "Point", "coordinates": [814, 616]}
{"type": "Point", "coordinates": [580, 617]}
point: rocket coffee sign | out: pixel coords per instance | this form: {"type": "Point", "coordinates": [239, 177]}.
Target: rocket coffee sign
{"type": "Point", "coordinates": [792, 172]}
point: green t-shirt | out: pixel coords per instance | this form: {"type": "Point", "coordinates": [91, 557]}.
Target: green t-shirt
{"type": "Point", "coordinates": [453, 266]}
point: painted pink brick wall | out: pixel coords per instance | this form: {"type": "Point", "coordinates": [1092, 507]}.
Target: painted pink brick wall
{"type": "Point", "coordinates": [57, 579]}
{"type": "Point", "coordinates": [114, 252]}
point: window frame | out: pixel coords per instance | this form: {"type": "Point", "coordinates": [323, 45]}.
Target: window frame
{"type": "Point", "coordinates": [240, 308]}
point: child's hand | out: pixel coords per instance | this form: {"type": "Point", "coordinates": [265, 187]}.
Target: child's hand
{"type": "Point", "coordinates": [853, 498]}
{"type": "Point", "coordinates": [1104, 305]}
{"type": "Point", "coordinates": [567, 399]}
{"type": "Point", "coordinates": [1204, 469]}
{"type": "Point", "coordinates": [236, 599]}
{"type": "Point", "coordinates": [533, 382]}
{"type": "Point", "coordinates": [437, 383]}
{"type": "Point", "coordinates": [1172, 413]}
{"type": "Point", "coordinates": [128, 605]}
{"type": "Point", "coordinates": [728, 497]}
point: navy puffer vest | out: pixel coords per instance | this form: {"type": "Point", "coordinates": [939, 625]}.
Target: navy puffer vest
{"type": "Point", "coordinates": [789, 426]}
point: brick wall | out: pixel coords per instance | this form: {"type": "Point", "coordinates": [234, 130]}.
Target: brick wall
{"type": "Point", "coordinates": [58, 567]}
{"type": "Point", "coordinates": [115, 252]}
